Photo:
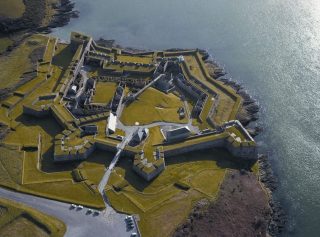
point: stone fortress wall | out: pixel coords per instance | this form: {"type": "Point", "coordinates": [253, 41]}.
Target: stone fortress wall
{"type": "Point", "coordinates": [85, 48]}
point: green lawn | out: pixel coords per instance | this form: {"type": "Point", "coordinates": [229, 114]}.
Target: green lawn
{"type": "Point", "coordinates": [135, 59]}
{"type": "Point", "coordinates": [153, 106]}
{"type": "Point", "coordinates": [19, 220]}
{"type": "Point", "coordinates": [104, 92]}
{"type": "Point", "coordinates": [4, 43]}
{"type": "Point", "coordinates": [12, 8]}
{"type": "Point", "coordinates": [17, 62]}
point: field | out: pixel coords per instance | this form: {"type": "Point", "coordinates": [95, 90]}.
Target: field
{"type": "Point", "coordinates": [18, 61]}
{"type": "Point", "coordinates": [135, 59]}
{"type": "Point", "coordinates": [11, 8]}
{"type": "Point", "coordinates": [4, 43]}
{"type": "Point", "coordinates": [15, 217]}
{"type": "Point", "coordinates": [166, 201]}
{"type": "Point", "coordinates": [153, 106]}
{"type": "Point", "coordinates": [104, 92]}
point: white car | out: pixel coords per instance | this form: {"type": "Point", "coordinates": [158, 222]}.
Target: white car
{"type": "Point", "coordinates": [134, 234]}
{"type": "Point", "coordinates": [80, 207]}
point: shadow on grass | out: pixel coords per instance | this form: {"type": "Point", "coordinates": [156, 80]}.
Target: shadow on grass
{"type": "Point", "coordinates": [64, 57]}
{"type": "Point", "coordinates": [133, 179]}
{"type": "Point", "coordinates": [101, 157]}
{"type": "Point", "coordinates": [48, 165]}
{"type": "Point", "coordinates": [48, 124]}
{"type": "Point", "coordinates": [222, 157]}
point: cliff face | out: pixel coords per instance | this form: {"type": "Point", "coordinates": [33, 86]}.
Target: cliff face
{"type": "Point", "coordinates": [241, 209]}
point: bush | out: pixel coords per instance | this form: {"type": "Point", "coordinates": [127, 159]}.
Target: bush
{"type": "Point", "coordinates": [182, 185]}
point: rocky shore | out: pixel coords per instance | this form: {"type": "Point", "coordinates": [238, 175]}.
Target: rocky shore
{"type": "Point", "coordinates": [248, 114]}
{"type": "Point", "coordinates": [241, 209]}
{"type": "Point", "coordinates": [36, 11]}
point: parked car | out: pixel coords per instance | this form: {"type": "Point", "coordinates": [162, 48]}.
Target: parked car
{"type": "Point", "coordinates": [89, 211]}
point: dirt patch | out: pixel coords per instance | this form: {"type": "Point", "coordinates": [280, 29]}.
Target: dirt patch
{"type": "Point", "coordinates": [241, 210]}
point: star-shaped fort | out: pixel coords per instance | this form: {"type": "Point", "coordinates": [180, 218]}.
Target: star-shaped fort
{"type": "Point", "coordinates": [90, 122]}
{"type": "Point", "coordinates": [148, 106]}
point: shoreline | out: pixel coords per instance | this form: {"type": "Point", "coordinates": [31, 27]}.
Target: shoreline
{"type": "Point", "coordinates": [40, 17]}
{"type": "Point", "coordinates": [266, 176]}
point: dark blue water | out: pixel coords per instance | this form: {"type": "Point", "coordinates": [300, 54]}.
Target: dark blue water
{"type": "Point", "coordinates": [271, 46]}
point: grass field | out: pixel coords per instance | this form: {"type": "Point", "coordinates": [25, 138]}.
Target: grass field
{"type": "Point", "coordinates": [19, 220]}
{"type": "Point", "coordinates": [12, 8]}
{"type": "Point", "coordinates": [18, 61]}
{"type": "Point", "coordinates": [135, 59]}
{"type": "Point", "coordinates": [104, 92]}
{"type": "Point", "coordinates": [4, 43]}
{"type": "Point", "coordinates": [153, 106]}
{"type": "Point", "coordinates": [162, 205]}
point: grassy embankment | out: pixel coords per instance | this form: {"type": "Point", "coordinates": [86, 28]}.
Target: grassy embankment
{"type": "Point", "coordinates": [19, 220]}
{"type": "Point", "coordinates": [166, 201]}
{"type": "Point", "coordinates": [229, 101]}
{"type": "Point", "coordinates": [153, 106]}
{"type": "Point", "coordinates": [18, 61]}
{"type": "Point", "coordinates": [5, 42]}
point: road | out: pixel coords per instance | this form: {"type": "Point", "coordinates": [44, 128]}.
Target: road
{"type": "Point", "coordinates": [109, 223]}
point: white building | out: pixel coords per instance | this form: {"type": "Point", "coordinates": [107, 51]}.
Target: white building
{"type": "Point", "coordinates": [176, 133]}
{"type": "Point", "coordinates": [112, 124]}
